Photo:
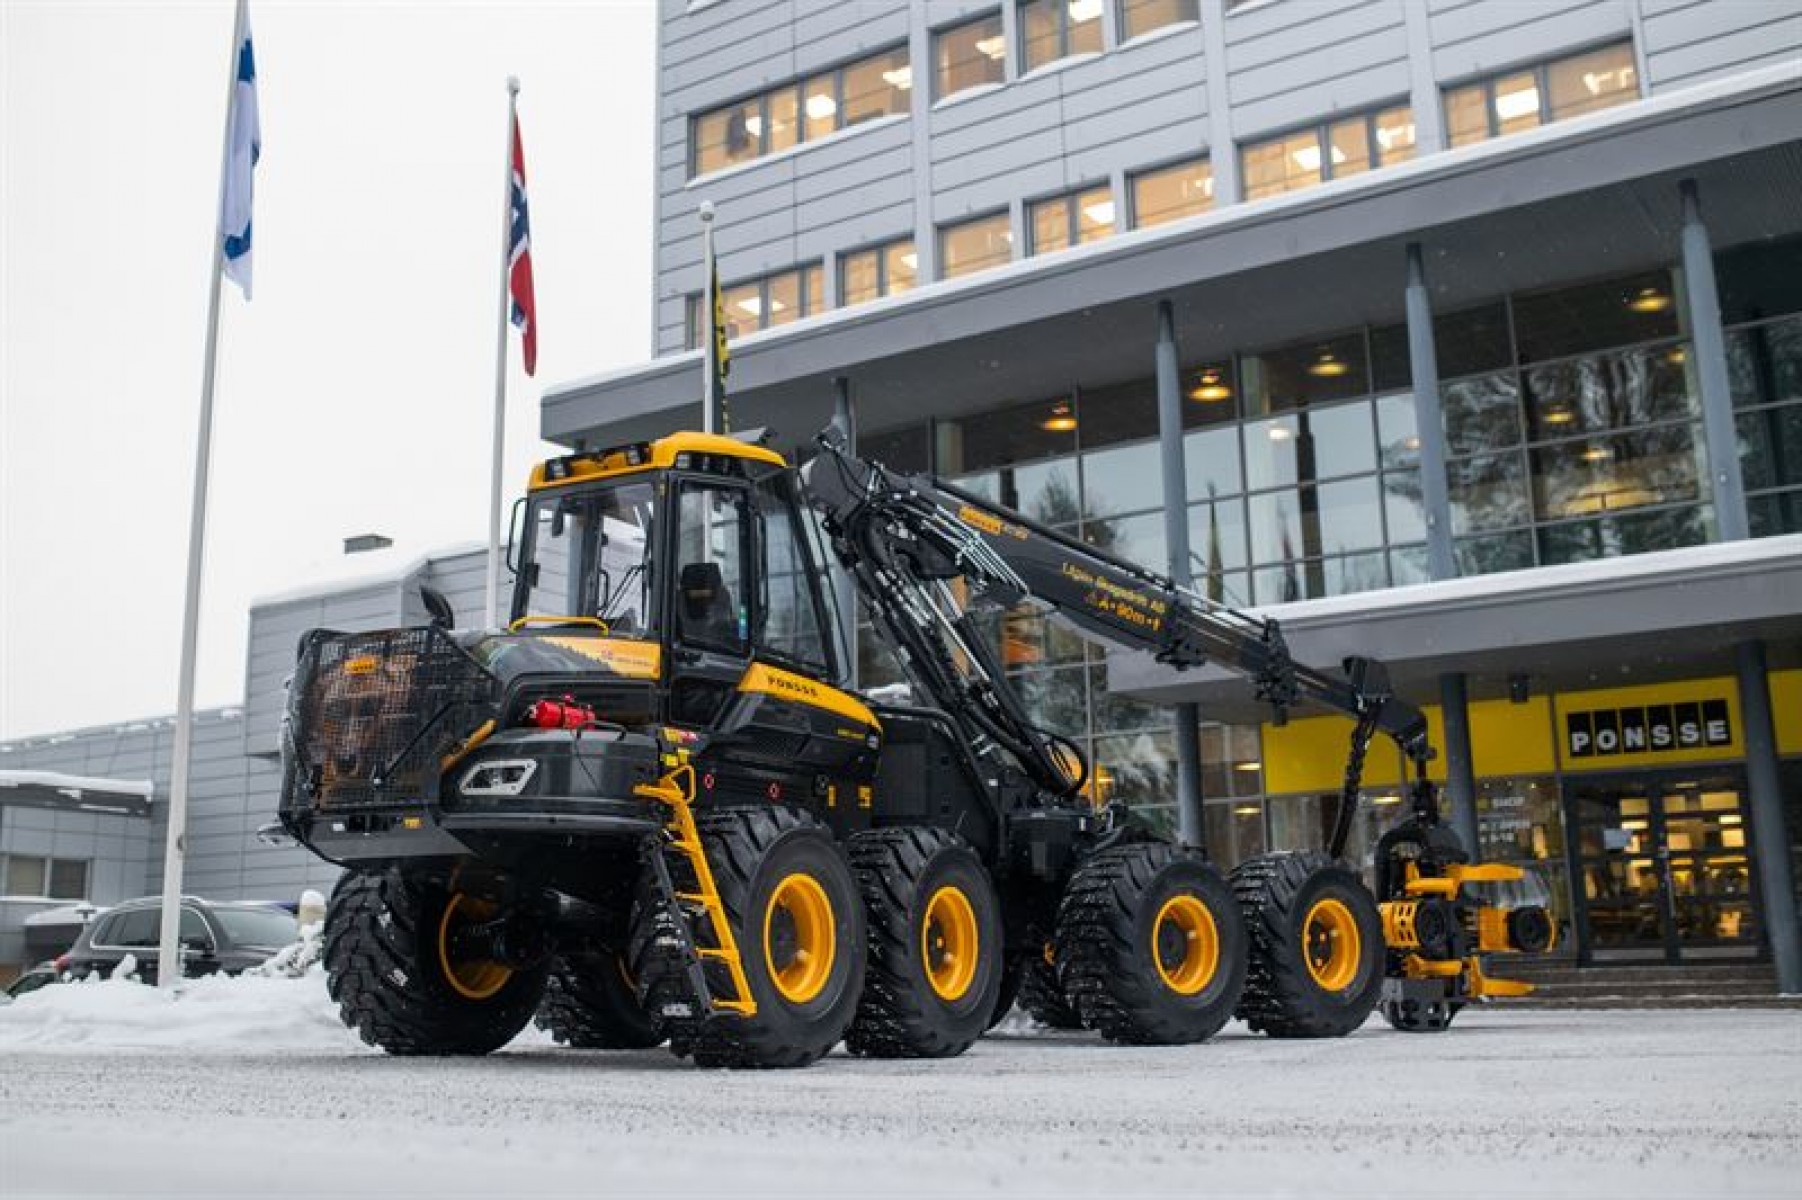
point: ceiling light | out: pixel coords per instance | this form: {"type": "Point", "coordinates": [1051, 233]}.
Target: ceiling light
{"type": "Point", "coordinates": [1386, 798]}
{"type": "Point", "coordinates": [1557, 416]}
{"type": "Point", "coordinates": [1101, 212]}
{"type": "Point", "coordinates": [1411, 443]}
{"type": "Point", "coordinates": [993, 47]}
{"type": "Point", "coordinates": [750, 304]}
{"type": "Point", "coordinates": [1307, 158]}
{"type": "Point", "coordinates": [1596, 454]}
{"type": "Point", "coordinates": [1648, 299]}
{"type": "Point", "coordinates": [820, 107]}
{"type": "Point", "coordinates": [1617, 80]}
{"type": "Point", "coordinates": [1328, 366]}
{"type": "Point", "coordinates": [754, 126]}
{"type": "Point", "coordinates": [776, 305]}
{"type": "Point", "coordinates": [1084, 10]}
{"type": "Point", "coordinates": [1253, 765]}
{"type": "Point", "coordinates": [1730, 818]}
{"type": "Point", "coordinates": [910, 260]}
{"type": "Point", "coordinates": [1391, 136]}
{"type": "Point", "coordinates": [1061, 420]}
{"type": "Point", "coordinates": [1511, 106]}
{"type": "Point", "coordinates": [1209, 387]}
{"type": "Point", "coordinates": [1280, 433]}
{"type": "Point", "coordinates": [901, 77]}
{"type": "Point", "coordinates": [1246, 810]}
{"type": "Point", "coordinates": [1677, 356]}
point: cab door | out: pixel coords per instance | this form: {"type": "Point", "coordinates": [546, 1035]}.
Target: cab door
{"type": "Point", "coordinates": [710, 598]}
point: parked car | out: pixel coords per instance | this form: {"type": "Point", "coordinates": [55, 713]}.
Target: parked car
{"type": "Point", "coordinates": [30, 981]}
{"type": "Point", "coordinates": [215, 936]}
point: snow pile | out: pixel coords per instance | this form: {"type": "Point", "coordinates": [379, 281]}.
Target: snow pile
{"type": "Point", "coordinates": [283, 1009]}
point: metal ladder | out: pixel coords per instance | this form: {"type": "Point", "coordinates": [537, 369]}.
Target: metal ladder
{"type": "Point", "coordinates": [676, 791]}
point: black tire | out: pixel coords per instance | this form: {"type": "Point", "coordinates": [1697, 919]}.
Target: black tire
{"type": "Point", "coordinates": [1151, 946]}
{"type": "Point", "coordinates": [752, 852]}
{"type": "Point", "coordinates": [936, 938]}
{"type": "Point", "coordinates": [1042, 996]}
{"type": "Point", "coordinates": [1415, 1016]}
{"type": "Point", "coordinates": [1284, 997]}
{"type": "Point", "coordinates": [1013, 969]}
{"type": "Point", "coordinates": [384, 968]}
{"type": "Point", "coordinates": [590, 1004]}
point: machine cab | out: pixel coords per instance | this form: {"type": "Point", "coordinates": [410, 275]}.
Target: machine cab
{"type": "Point", "coordinates": [689, 564]}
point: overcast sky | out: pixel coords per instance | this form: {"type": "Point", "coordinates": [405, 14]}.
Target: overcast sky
{"type": "Point", "coordinates": [355, 390]}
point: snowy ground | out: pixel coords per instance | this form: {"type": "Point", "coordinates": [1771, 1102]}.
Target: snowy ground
{"type": "Point", "coordinates": [252, 1088]}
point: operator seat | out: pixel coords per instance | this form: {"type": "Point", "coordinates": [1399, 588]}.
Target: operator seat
{"type": "Point", "coordinates": [707, 614]}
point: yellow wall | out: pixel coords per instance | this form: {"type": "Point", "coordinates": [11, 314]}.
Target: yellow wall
{"type": "Point", "coordinates": [1308, 755]}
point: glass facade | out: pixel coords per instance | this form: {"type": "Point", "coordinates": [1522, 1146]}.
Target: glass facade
{"type": "Point", "coordinates": [1761, 306]}
{"type": "Point", "coordinates": [1142, 16]}
{"type": "Point", "coordinates": [1054, 29]}
{"type": "Point", "coordinates": [764, 303]}
{"type": "Point", "coordinates": [1171, 193]}
{"type": "Point", "coordinates": [977, 245]}
{"type": "Point", "coordinates": [885, 270]}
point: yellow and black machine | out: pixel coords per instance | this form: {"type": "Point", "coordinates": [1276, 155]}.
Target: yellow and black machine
{"type": "Point", "coordinates": [648, 811]}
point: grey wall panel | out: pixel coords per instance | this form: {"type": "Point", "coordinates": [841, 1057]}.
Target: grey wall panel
{"type": "Point", "coordinates": [1493, 35]}
{"type": "Point", "coordinates": [828, 34]}
{"type": "Point", "coordinates": [1292, 64]}
{"type": "Point", "coordinates": [1692, 43]}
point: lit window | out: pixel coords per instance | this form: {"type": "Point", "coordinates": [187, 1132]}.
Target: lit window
{"type": "Point", "coordinates": [886, 270]}
{"type": "Point", "coordinates": [1336, 151]}
{"type": "Point", "coordinates": [1054, 29]}
{"type": "Point", "coordinates": [1142, 16]}
{"type": "Point", "coordinates": [1171, 193]}
{"type": "Point", "coordinates": [975, 245]}
{"type": "Point", "coordinates": [1554, 91]}
{"type": "Point", "coordinates": [763, 303]}
{"type": "Point", "coordinates": [1071, 220]}
{"type": "Point", "coordinates": [864, 90]}
{"type": "Point", "coordinates": [970, 55]}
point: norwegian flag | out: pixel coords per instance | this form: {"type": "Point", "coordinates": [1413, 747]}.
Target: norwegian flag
{"type": "Point", "coordinates": [519, 260]}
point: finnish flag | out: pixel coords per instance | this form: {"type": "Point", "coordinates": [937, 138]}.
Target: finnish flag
{"type": "Point", "coordinates": [244, 145]}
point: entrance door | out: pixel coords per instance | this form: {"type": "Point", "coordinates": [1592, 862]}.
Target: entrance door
{"type": "Point", "coordinates": [1664, 863]}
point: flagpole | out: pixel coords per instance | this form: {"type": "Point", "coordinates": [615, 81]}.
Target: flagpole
{"type": "Point", "coordinates": [500, 364]}
{"type": "Point", "coordinates": [168, 958]}
{"type": "Point", "coordinates": [710, 348]}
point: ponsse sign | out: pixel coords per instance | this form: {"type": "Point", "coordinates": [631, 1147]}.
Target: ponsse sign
{"type": "Point", "coordinates": [1651, 729]}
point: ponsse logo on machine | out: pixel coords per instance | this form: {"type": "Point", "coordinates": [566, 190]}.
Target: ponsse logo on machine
{"type": "Point", "coordinates": [1654, 729]}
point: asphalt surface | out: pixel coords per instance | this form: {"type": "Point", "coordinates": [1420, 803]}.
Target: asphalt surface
{"type": "Point", "coordinates": [1543, 1104]}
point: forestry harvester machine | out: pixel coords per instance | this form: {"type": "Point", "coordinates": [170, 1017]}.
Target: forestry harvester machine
{"type": "Point", "coordinates": [647, 811]}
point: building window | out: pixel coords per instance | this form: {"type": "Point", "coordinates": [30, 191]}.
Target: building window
{"type": "Point", "coordinates": [1142, 16]}
{"type": "Point", "coordinates": [1761, 301]}
{"type": "Point", "coordinates": [972, 246]}
{"type": "Point", "coordinates": [970, 55]}
{"type": "Point", "coordinates": [1054, 29]}
{"type": "Point", "coordinates": [886, 270]}
{"type": "Point", "coordinates": [1337, 150]}
{"type": "Point", "coordinates": [877, 86]}
{"type": "Point", "coordinates": [1172, 193]}
{"type": "Point", "coordinates": [37, 876]}
{"type": "Point", "coordinates": [1071, 220]}
{"type": "Point", "coordinates": [763, 303]}
{"type": "Point", "coordinates": [1553, 91]}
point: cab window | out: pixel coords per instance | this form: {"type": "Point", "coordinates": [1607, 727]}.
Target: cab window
{"type": "Point", "coordinates": [789, 624]}
{"type": "Point", "coordinates": [712, 601]}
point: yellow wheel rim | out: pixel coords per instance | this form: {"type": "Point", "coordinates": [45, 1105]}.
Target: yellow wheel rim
{"type": "Point", "coordinates": [476, 978]}
{"type": "Point", "coordinates": [949, 943]}
{"type": "Point", "coordinates": [800, 939]}
{"type": "Point", "coordinates": [1185, 944]}
{"type": "Point", "coordinates": [1331, 946]}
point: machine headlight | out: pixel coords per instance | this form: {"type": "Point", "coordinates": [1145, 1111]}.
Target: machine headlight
{"type": "Point", "coordinates": [498, 777]}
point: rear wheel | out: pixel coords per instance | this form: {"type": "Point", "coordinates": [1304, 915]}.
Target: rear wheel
{"type": "Point", "coordinates": [1151, 945]}
{"type": "Point", "coordinates": [398, 964]}
{"type": "Point", "coordinates": [1041, 995]}
{"type": "Point", "coordinates": [590, 1003]}
{"type": "Point", "coordinates": [1316, 945]}
{"type": "Point", "coordinates": [935, 945]}
{"type": "Point", "coordinates": [796, 915]}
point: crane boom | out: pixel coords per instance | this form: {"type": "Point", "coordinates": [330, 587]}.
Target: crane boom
{"type": "Point", "coordinates": [908, 539]}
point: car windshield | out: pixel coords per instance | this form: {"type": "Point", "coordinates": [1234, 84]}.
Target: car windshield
{"type": "Point", "coordinates": [588, 554]}
{"type": "Point", "coordinates": [258, 926]}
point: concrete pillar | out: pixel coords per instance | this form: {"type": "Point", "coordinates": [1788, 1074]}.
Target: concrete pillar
{"type": "Point", "coordinates": [1429, 421]}
{"type": "Point", "coordinates": [1776, 885]}
{"type": "Point", "coordinates": [1711, 370]}
{"type": "Point", "coordinates": [1190, 828]}
{"type": "Point", "coordinates": [843, 588]}
{"type": "Point", "coordinates": [1460, 771]}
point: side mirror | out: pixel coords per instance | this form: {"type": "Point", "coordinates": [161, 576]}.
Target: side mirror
{"type": "Point", "coordinates": [513, 532]}
{"type": "Point", "coordinates": [443, 616]}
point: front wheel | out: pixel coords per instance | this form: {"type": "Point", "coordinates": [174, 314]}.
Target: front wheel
{"type": "Point", "coordinates": [397, 964]}
{"type": "Point", "coordinates": [1151, 946]}
{"type": "Point", "coordinates": [1317, 949]}
{"type": "Point", "coordinates": [796, 916]}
